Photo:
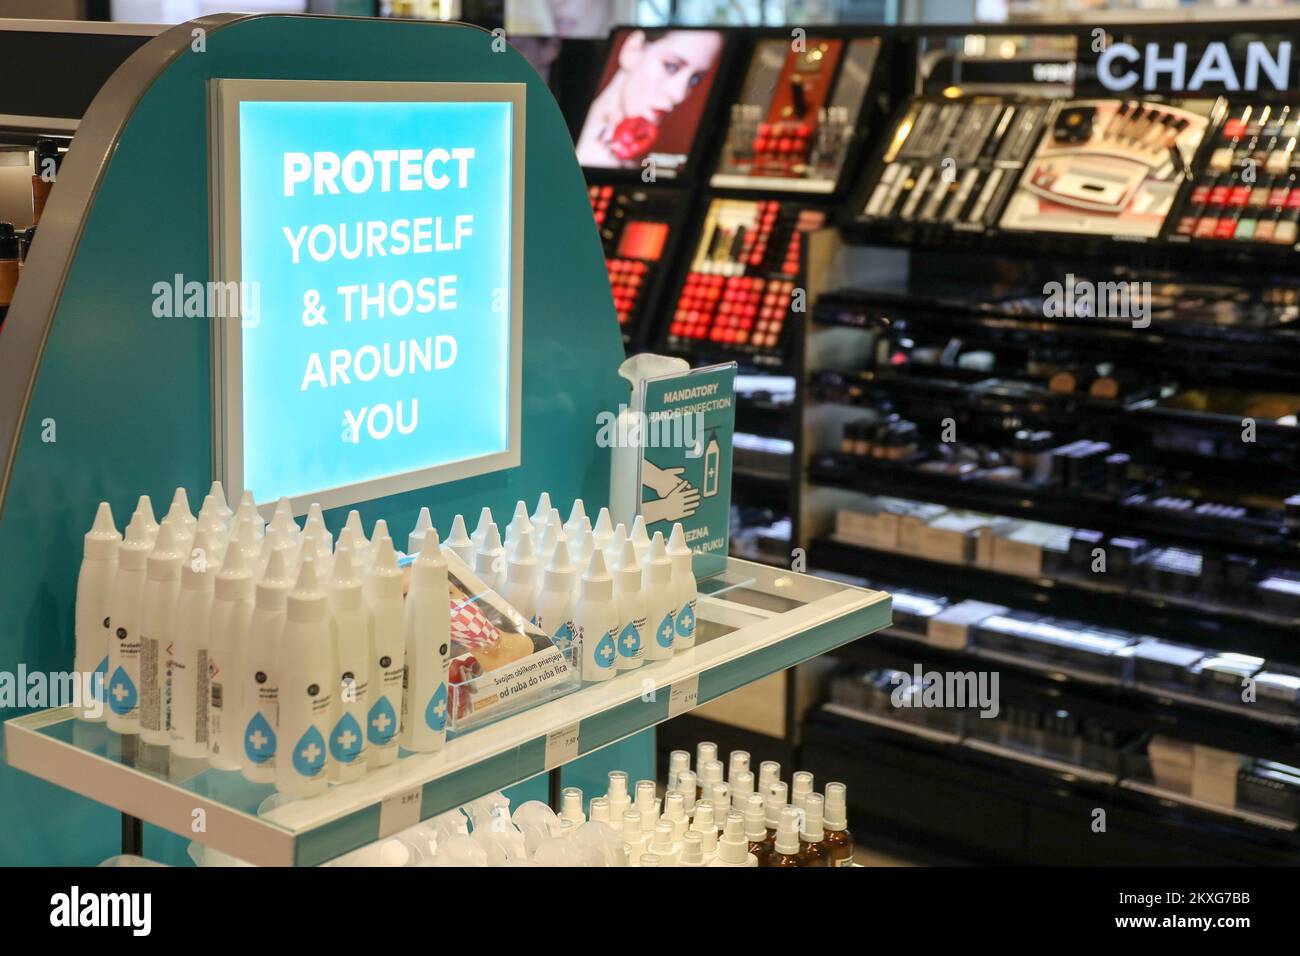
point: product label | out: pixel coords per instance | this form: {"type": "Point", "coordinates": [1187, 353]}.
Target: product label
{"type": "Point", "coordinates": [347, 739]}
{"type": "Point", "coordinates": [562, 745]}
{"type": "Point", "coordinates": [151, 690]}
{"type": "Point", "coordinates": [123, 694]}
{"type": "Point", "coordinates": [629, 639]}
{"type": "Point", "coordinates": [382, 722]}
{"type": "Point", "coordinates": [685, 623]}
{"type": "Point", "coordinates": [684, 696]}
{"type": "Point", "coordinates": [399, 812]}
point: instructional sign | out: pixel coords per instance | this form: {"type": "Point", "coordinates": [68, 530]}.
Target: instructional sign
{"type": "Point", "coordinates": [685, 473]}
{"type": "Point", "coordinates": [378, 224]}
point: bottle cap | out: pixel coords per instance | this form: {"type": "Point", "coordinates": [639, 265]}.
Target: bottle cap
{"type": "Point", "coordinates": [133, 555]}
{"type": "Point", "coordinates": [315, 519]}
{"type": "Point", "coordinates": [458, 539]}
{"type": "Point", "coordinates": [246, 539]}
{"type": "Point", "coordinates": [429, 569]}
{"type": "Point", "coordinates": [384, 579]}
{"type": "Point", "coordinates": [218, 495]}
{"type": "Point", "coordinates": [571, 804]}
{"type": "Point", "coordinates": [649, 859]}
{"type": "Point", "coordinates": [737, 762]}
{"type": "Point", "coordinates": [599, 812]}
{"type": "Point", "coordinates": [812, 831]}
{"type": "Point", "coordinates": [378, 533]}
{"type": "Point", "coordinates": [631, 826]}
{"type": "Point", "coordinates": [710, 773]}
{"type": "Point", "coordinates": [144, 509]}
{"type": "Point", "coordinates": [614, 546]}
{"type": "Point", "coordinates": [733, 848]}
{"type": "Point", "coordinates": [627, 578]}
{"type": "Point", "coordinates": [581, 545]}
{"type": "Point", "coordinates": [199, 569]}
{"type": "Point", "coordinates": [484, 519]}
{"type": "Point", "coordinates": [552, 534]}
{"type": "Point", "coordinates": [617, 786]}
{"type": "Point", "coordinates": [662, 841]}
{"type": "Point", "coordinates": [705, 751]}
{"type": "Point", "coordinates": [603, 529]}
{"type": "Point", "coordinates": [165, 560]}
{"type": "Point", "coordinates": [692, 849]}
{"type": "Point", "coordinates": [645, 796]}
{"type": "Point", "coordinates": [307, 601]}
{"type": "Point", "coordinates": [776, 799]}
{"type": "Point", "coordinates": [360, 544]}
{"type": "Point", "coordinates": [488, 556]}
{"type": "Point", "coordinates": [315, 543]}
{"type": "Point", "coordinates": [179, 512]}
{"type": "Point", "coordinates": [687, 784]}
{"type": "Point", "coordinates": [657, 569]}
{"type": "Point", "coordinates": [522, 567]}
{"type": "Point", "coordinates": [719, 793]}
{"type": "Point", "coordinates": [787, 833]}
{"type": "Point", "coordinates": [835, 813]}
{"type": "Point", "coordinates": [415, 540]}
{"type": "Point", "coordinates": [273, 589]}
{"type": "Point", "coordinates": [247, 509]}
{"type": "Point", "coordinates": [543, 512]}
{"type": "Point", "coordinates": [345, 582]}
{"type": "Point", "coordinates": [704, 816]}
{"type": "Point", "coordinates": [640, 539]}
{"type": "Point", "coordinates": [560, 575]}
{"type": "Point", "coordinates": [675, 812]}
{"type": "Point", "coordinates": [755, 818]}
{"type": "Point", "coordinates": [742, 785]}
{"type": "Point", "coordinates": [679, 552]}
{"type": "Point", "coordinates": [802, 786]}
{"type": "Point", "coordinates": [283, 517]}
{"type": "Point", "coordinates": [518, 524]}
{"type": "Point", "coordinates": [678, 761]}
{"type": "Point", "coordinates": [769, 772]}
{"type": "Point", "coordinates": [577, 515]}
{"type": "Point", "coordinates": [597, 585]}
{"type": "Point", "coordinates": [102, 540]}
{"type": "Point", "coordinates": [235, 579]}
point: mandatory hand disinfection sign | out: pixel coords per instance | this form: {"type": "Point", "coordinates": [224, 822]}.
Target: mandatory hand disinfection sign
{"type": "Point", "coordinates": [379, 236]}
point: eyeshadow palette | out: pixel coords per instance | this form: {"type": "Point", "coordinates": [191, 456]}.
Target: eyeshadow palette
{"type": "Point", "coordinates": [798, 109]}
{"type": "Point", "coordinates": [1249, 190]}
{"type": "Point", "coordinates": [1108, 167]}
{"type": "Point", "coordinates": [636, 227]}
{"type": "Point", "coordinates": [740, 286]}
{"type": "Point", "coordinates": [954, 161]}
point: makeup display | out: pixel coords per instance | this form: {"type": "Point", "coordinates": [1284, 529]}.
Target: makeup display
{"type": "Point", "coordinates": [1247, 190]}
{"type": "Point", "coordinates": [739, 289]}
{"type": "Point", "coordinates": [954, 161]}
{"type": "Point", "coordinates": [637, 228]}
{"type": "Point", "coordinates": [1108, 167]}
{"type": "Point", "coordinates": [651, 101]}
{"type": "Point", "coordinates": [795, 121]}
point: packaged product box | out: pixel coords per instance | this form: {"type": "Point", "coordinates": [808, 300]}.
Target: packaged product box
{"type": "Point", "coordinates": [1020, 550]}
{"type": "Point", "coordinates": [1214, 775]}
{"type": "Point", "coordinates": [950, 537]}
{"type": "Point", "coordinates": [1171, 763]}
{"type": "Point", "coordinates": [952, 627]}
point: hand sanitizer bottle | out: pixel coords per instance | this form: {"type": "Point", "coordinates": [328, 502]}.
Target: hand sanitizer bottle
{"type": "Point", "coordinates": [188, 674]}
{"type": "Point", "coordinates": [232, 617]}
{"type": "Point", "coordinates": [480, 530]}
{"type": "Point", "coordinates": [687, 595]}
{"type": "Point", "coordinates": [352, 635]}
{"type": "Point", "coordinates": [358, 542]}
{"type": "Point", "coordinates": [519, 523]}
{"type": "Point", "coordinates": [247, 509]}
{"type": "Point", "coordinates": [552, 532]}
{"type": "Point", "coordinates": [595, 616]}
{"type": "Point", "coordinates": [522, 573]}
{"type": "Point", "coordinates": [415, 540]}
{"type": "Point", "coordinates": [387, 655]}
{"type": "Point", "coordinates": [459, 542]}
{"type": "Point", "coordinates": [660, 601]}
{"type": "Point", "coordinates": [603, 529]}
{"type": "Point", "coordinates": [555, 603]}
{"type": "Point", "coordinates": [631, 609]}
{"type": "Point", "coordinates": [428, 651]}
{"type": "Point", "coordinates": [144, 508]}
{"type": "Point", "coordinates": [308, 669]}
{"type": "Point", "coordinates": [184, 524]}
{"type": "Point", "coordinates": [640, 538]}
{"type": "Point", "coordinates": [577, 514]}
{"type": "Point", "coordinates": [543, 512]}
{"type": "Point", "coordinates": [124, 611]}
{"type": "Point", "coordinates": [162, 587]}
{"type": "Point", "coordinates": [218, 495]}
{"type": "Point", "coordinates": [92, 617]}
{"type": "Point", "coordinates": [259, 678]}
{"type": "Point", "coordinates": [489, 559]}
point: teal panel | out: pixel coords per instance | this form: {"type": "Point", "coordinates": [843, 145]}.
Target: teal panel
{"type": "Point", "coordinates": [635, 755]}
{"type": "Point", "coordinates": [129, 396]}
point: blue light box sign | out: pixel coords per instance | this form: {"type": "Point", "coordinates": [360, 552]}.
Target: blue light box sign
{"type": "Point", "coordinates": [375, 232]}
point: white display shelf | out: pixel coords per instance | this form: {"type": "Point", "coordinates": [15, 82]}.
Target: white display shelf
{"type": "Point", "coordinates": [753, 620]}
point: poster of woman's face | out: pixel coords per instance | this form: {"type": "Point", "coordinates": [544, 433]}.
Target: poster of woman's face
{"type": "Point", "coordinates": [652, 94]}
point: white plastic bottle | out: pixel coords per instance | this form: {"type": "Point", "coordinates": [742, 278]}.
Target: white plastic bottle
{"type": "Point", "coordinates": [259, 679]}
{"type": "Point", "coordinates": [555, 602]}
{"type": "Point", "coordinates": [660, 601]}
{"type": "Point", "coordinates": [459, 541]}
{"type": "Point", "coordinates": [308, 669]}
{"type": "Point", "coordinates": [428, 651]}
{"type": "Point", "coordinates": [352, 637]}
{"type": "Point", "coordinates": [247, 509]}
{"type": "Point", "coordinates": [542, 514]}
{"type": "Point", "coordinates": [359, 543]}
{"type": "Point", "coordinates": [577, 515]}
{"type": "Point", "coordinates": [640, 538]}
{"type": "Point", "coordinates": [519, 523]}
{"type": "Point", "coordinates": [188, 674]}
{"type": "Point", "coordinates": [480, 530]}
{"type": "Point", "coordinates": [218, 495]}
{"type": "Point", "coordinates": [92, 617]}
{"type": "Point", "coordinates": [686, 595]}
{"type": "Point", "coordinates": [144, 508]}
{"type": "Point", "coordinates": [663, 843]}
{"type": "Point", "coordinates": [522, 577]}
{"type": "Point", "coordinates": [631, 609]}
{"type": "Point", "coordinates": [692, 849]}
{"type": "Point", "coordinates": [603, 529]}
{"type": "Point", "coordinates": [125, 618]}
{"type": "Point", "coordinates": [489, 559]}
{"type": "Point", "coordinates": [232, 616]}
{"type": "Point", "coordinates": [162, 587]}
{"type": "Point", "coordinates": [377, 534]}
{"type": "Point", "coordinates": [733, 848]}
{"type": "Point", "coordinates": [552, 533]}
{"type": "Point", "coordinates": [614, 546]}
{"type": "Point", "coordinates": [580, 547]}
{"type": "Point", "coordinates": [383, 592]}
{"type": "Point", "coordinates": [415, 540]}
{"type": "Point", "coordinates": [595, 618]}
{"type": "Point", "coordinates": [184, 524]}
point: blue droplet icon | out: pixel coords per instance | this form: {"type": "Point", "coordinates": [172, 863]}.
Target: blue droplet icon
{"type": "Point", "coordinates": [664, 632]}
{"type": "Point", "coordinates": [122, 695]}
{"type": "Point", "coordinates": [97, 679]}
{"type": "Point", "coordinates": [605, 652]}
{"type": "Point", "coordinates": [629, 640]}
{"type": "Point", "coordinates": [346, 739]}
{"type": "Point", "coordinates": [381, 722]}
{"type": "Point", "coordinates": [309, 753]}
{"type": "Point", "coordinates": [564, 633]}
{"type": "Point", "coordinates": [685, 621]}
{"type": "Point", "coordinates": [259, 739]}
{"type": "Point", "coordinates": [435, 714]}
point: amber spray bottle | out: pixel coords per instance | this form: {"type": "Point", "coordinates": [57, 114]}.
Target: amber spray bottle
{"type": "Point", "coordinates": [836, 824]}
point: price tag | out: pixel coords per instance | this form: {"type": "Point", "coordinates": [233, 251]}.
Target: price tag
{"type": "Point", "coordinates": [562, 745]}
{"type": "Point", "coordinates": [684, 696]}
{"type": "Point", "coordinates": [399, 812]}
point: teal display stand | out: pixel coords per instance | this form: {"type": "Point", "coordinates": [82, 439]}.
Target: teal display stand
{"type": "Point", "coordinates": [105, 401]}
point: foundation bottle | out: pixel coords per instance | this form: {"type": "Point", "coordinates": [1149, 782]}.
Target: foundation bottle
{"type": "Point", "coordinates": [785, 850]}
{"type": "Point", "coordinates": [835, 821]}
{"type": "Point", "coordinates": [813, 848]}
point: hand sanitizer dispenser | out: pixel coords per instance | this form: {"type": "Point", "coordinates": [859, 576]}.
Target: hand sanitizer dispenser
{"type": "Point", "coordinates": [624, 491]}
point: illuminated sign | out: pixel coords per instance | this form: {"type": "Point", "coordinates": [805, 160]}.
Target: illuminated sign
{"type": "Point", "coordinates": [378, 228]}
{"type": "Point", "coordinates": [1260, 66]}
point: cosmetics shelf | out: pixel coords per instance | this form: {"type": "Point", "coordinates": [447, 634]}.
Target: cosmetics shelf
{"type": "Point", "coordinates": [1124, 515]}
{"type": "Point", "coordinates": [754, 620]}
